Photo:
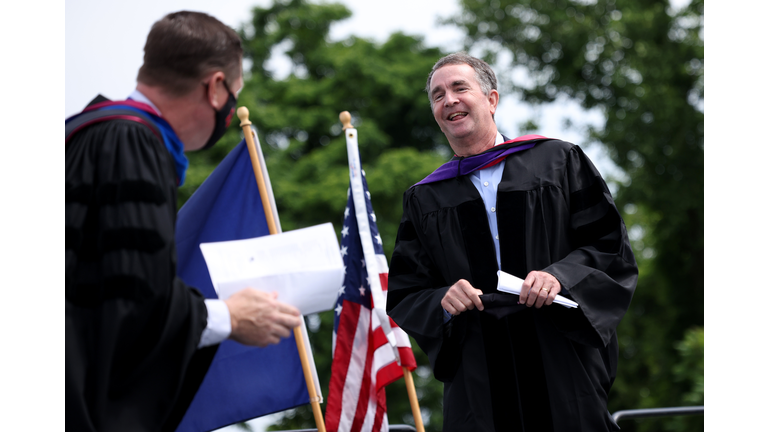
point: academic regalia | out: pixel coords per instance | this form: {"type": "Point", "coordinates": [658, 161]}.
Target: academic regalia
{"type": "Point", "coordinates": [132, 327]}
{"type": "Point", "coordinates": [510, 367]}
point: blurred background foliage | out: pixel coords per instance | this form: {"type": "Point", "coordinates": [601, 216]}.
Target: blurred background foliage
{"type": "Point", "coordinates": [640, 62]}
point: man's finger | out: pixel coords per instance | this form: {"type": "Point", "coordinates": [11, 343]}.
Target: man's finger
{"type": "Point", "coordinates": [287, 309]}
{"type": "Point", "coordinates": [452, 310]}
{"type": "Point", "coordinates": [473, 296]}
{"type": "Point", "coordinates": [550, 298]}
{"type": "Point", "coordinates": [526, 288]}
{"type": "Point", "coordinates": [533, 294]}
{"type": "Point", "coordinates": [466, 303]}
{"type": "Point", "coordinates": [478, 302]}
{"type": "Point", "coordinates": [552, 293]}
{"type": "Point", "coordinates": [457, 305]}
{"type": "Point", "coordinates": [448, 306]}
{"type": "Point", "coordinates": [281, 331]}
{"type": "Point", "coordinates": [467, 296]}
{"type": "Point", "coordinates": [288, 320]}
{"type": "Point", "coordinates": [542, 297]}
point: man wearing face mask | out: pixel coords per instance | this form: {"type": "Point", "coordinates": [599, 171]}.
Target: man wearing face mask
{"type": "Point", "coordinates": [138, 340]}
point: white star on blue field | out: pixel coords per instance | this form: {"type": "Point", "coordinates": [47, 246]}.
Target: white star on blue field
{"type": "Point", "coordinates": [356, 287]}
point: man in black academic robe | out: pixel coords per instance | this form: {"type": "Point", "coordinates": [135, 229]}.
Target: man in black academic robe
{"type": "Point", "coordinates": [138, 340]}
{"type": "Point", "coordinates": [506, 366]}
{"type": "Point", "coordinates": [132, 326]}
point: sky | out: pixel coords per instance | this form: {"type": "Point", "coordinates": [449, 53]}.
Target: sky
{"type": "Point", "coordinates": [56, 53]}
{"type": "Point", "coordinates": [108, 63]}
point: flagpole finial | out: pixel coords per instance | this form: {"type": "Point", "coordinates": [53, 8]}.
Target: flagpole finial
{"type": "Point", "coordinates": [346, 120]}
{"type": "Point", "coordinates": [242, 114]}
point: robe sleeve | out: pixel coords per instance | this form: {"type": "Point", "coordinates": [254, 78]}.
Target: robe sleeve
{"type": "Point", "coordinates": [132, 325]}
{"type": "Point", "coordinates": [600, 273]}
{"type": "Point", "coordinates": [416, 288]}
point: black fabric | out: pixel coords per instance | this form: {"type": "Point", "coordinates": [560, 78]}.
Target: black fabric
{"type": "Point", "coordinates": [513, 368]}
{"type": "Point", "coordinates": [223, 118]}
{"type": "Point", "coordinates": [132, 327]}
{"type": "Point", "coordinates": [499, 305]}
{"type": "Point", "coordinates": [98, 99]}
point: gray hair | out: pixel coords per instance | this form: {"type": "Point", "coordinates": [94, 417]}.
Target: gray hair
{"type": "Point", "coordinates": [483, 72]}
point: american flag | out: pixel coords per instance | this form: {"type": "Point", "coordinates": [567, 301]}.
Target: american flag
{"type": "Point", "coordinates": [364, 359]}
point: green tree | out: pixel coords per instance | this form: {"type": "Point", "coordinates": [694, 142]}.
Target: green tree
{"type": "Point", "coordinates": [642, 64]}
{"type": "Point", "coordinates": [689, 373]}
{"type": "Point", "coordinates": [297, 120]}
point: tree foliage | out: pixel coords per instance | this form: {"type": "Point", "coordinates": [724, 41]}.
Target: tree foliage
{"type": "Point", "coordinates": [642, 64]}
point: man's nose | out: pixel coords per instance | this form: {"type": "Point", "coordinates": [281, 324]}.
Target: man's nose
{"type": "Point", "coordinates": [450, 99]}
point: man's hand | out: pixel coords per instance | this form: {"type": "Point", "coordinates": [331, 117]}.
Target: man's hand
{"type": "Point", "coordinates": [539, 288]}
{"type": "Point", "coordinates": [462, 296]}
{"type": "Point", "coordinates": [259, 319]}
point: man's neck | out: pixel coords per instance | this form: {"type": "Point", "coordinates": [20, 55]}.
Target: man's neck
{"type": "Point", "coordinates": [138, 96]}
{"type": "Point", "coordinates": [183, 113]}
{"type": "Point", "coordinates": [473, 145]}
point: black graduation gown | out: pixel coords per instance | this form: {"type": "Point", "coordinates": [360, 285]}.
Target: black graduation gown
{"type": "Point", "coordinates": [547, 369]}
{"type": "Point", "coordinates": [132, 327]}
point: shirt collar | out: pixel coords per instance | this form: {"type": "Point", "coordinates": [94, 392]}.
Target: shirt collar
{"type": "Point", "coordinates": [499, 139]}
{"type": "Point", "coordinates": [139, 97]}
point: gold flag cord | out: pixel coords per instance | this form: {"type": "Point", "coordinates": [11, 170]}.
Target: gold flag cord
{"type": "Point", "coordinates": [242, 114]}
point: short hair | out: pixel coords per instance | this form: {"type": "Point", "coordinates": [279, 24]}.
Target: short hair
{"type": "Point", "coordinates": [483, 72]}
{"type": "Point", "coordinates": [184, 46]}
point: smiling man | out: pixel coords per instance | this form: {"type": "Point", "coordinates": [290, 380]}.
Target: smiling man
{"type": "Point", "coordinates": [533, 207]}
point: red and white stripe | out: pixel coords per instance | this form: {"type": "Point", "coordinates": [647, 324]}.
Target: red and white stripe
{"type": "Point", "coordinates": [362, 349]}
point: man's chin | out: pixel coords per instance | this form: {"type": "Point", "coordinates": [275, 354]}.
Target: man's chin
{"type": "Point", "coordinates": [458, 133]}
{"type": "Point", "coordinates": [193, 146]}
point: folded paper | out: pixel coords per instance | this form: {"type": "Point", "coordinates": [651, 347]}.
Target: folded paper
{"type": "Point", "coordinates": [513, 285]}
{"type": "Point", "coordinates": [303, 266]}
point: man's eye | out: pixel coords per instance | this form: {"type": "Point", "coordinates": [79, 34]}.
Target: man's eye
{"type": "Point", "coordinates": [438, 97]}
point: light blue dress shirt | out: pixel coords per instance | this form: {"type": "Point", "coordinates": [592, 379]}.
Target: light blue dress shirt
{"type": "Point", "coordinates": [487, 183]}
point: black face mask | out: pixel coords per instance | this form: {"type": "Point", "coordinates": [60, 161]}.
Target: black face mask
{"type": "Point", "coordinates": [223, 118]}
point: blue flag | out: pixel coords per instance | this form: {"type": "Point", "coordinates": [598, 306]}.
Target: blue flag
{"type": "Point", "coordinates": [242, 382]}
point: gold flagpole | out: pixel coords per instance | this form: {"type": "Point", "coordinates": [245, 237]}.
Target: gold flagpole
{"type": "Point", "coordinates": [346, 121]}
{"type": "Point", "coordinates": [413, 399]}
{"type": "Point", "coordinates": [242, 114]}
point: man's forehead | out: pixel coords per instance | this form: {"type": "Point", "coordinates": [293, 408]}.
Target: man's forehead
{"type": "Point", "coordinates": [452, 75]}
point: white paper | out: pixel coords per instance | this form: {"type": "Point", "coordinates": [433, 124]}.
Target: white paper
{"type": "Point", "coordinates": [303, 266]}
{"type": "Point", "coordinates": [513, 285]}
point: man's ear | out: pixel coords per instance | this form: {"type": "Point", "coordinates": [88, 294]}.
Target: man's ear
{"type": "Point", "coordinates": [216, 97]}
{"type": "Point", "coordinates": [493, 99]}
